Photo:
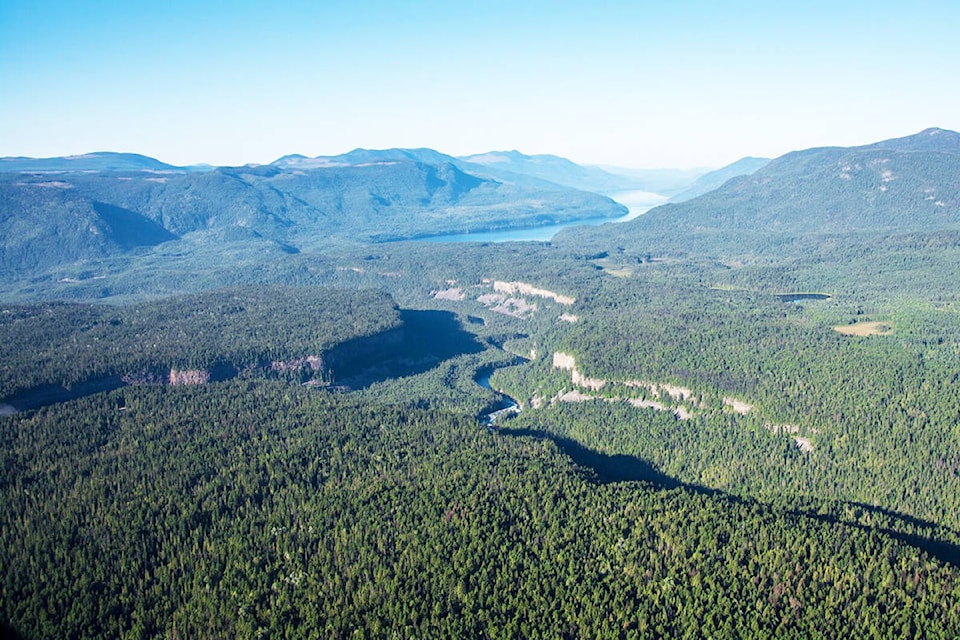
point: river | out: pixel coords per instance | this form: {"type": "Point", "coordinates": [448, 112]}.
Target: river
{"type": "Point", "coordinates": [637, 202]}
{"type": "Point", "coordinates": [506, 406]}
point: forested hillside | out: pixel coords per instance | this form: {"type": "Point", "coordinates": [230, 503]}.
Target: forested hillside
{"type": "Point", "coordinates": [254, 508]}
{"type": "Point", "coordinates": [897, 186]}
{"type": "Point", "coordinates": [49, 217]}
{"type": "Point", "coordinates": [714, 179]}
{"type": "Point", "coordinates": [739, 425]}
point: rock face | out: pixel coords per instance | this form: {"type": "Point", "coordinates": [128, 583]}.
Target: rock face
{"type": "Point", "coordinates": [528, 289]}
{"type": "Point", "coordinates": [314, 363]}
{"type": "Point", "coordinates": [188, 376]}
{"type": "Point", "coordinates": [569, 363]}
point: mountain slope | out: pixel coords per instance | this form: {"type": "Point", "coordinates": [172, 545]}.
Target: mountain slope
{"type": "Point", "coordinates": [99, 161]}
{"type": "Point", "coordinates": [367, 157]}
{"type": "Point", "coordinates": [663, 181]}
{"type": "Point", "coordinates": [555, 169]}
{"type": "Point", "coordinates": [910, 183]}
{"type": "Point", "coordinates": [48, 223]}
{"type": "Point", "coordinates": [710, 181]}
{"type": "Point", "coordinates": [363, 196]}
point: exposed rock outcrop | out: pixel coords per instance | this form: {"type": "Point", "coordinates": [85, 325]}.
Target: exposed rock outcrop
{"type": "Point", "coordinates": [179, 377]}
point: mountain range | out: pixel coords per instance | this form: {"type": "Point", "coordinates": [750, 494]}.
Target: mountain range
{"type": "Point", "coordinates": [110, 203]}
{"type": "Point", "coordinates": [99, 161]}
{"type": "Point", "coordinates": [558, 170]}
{"type": "Point", "coordinates": [903, 184]}
{"type": "Point", "coordinates": [752, 428]}
{"type": "Point", "coordinates": [62, 210]}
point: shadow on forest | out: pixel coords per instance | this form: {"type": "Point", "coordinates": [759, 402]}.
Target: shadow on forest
{"type": "Point", "coordinates": [905, 528]}
{"type": "Point", "coordinates": [7, 632]}
{"type": "Point", "coordinates": [606, 468]}
{"type": "Point", "coordinates": [424, 340]}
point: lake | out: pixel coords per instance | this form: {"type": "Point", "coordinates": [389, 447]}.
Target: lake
{"type": "Point", "coordinates": [638, 203]}
{"type": "Point", "coordinates": [800, 297]}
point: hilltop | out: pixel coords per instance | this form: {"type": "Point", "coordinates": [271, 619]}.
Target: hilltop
{"type": "Point", "coordinates": [114, 202]}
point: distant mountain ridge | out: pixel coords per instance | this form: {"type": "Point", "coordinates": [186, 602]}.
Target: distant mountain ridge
{"type": "Point", "coordinates": [98, 161]}
{"type": "Point", "coordinates": [360, 157]}
{"type": "Point", "coordinates": [366, 157]}
{"type": "Point", "coordinates": [932, 139]}
{"type": "Point", "coordinates": [899, 184]}
{"type": "Point", "coordinates": [714, 179]}
{"type": "Point", "coordinates": [666, 182]}
{"type": "Point", "coordinates": [112, 203]}
{"type": "Point", "coordinates": [556, 169]}
{"type": "Point", "coordinates": [61, 210]}
{"type": "Point", "coordinates": [50, 223]}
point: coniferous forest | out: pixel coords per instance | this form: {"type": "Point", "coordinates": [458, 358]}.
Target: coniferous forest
{"type": "Point", "coordinates": [668, 427]}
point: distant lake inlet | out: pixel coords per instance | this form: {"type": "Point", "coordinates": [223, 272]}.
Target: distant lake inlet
{"type": "Point", "coordinates": [638, 203]}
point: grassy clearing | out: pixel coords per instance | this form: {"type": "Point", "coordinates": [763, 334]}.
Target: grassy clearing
{"type": "Point", "coordinates": [865, 329]}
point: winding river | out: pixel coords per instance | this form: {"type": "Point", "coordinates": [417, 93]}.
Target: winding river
{"type": "Point", "coordinates": [506, 406]}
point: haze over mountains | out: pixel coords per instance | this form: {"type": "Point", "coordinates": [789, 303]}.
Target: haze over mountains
{"type": "Point", "coordinates": [108, 203]}
{"type": "Point", "coordinates": [98, 161]}
{"type": "Point", "coordinates": [710, 181]}
{"type": "Point", "coordinates": [61, 210]}
{"type": "Point", "coordinates": [902, 184]}
{"type": "Point", "coordinates": [559, 170]}
{"type": "Point", "coordinates": [740, 408]}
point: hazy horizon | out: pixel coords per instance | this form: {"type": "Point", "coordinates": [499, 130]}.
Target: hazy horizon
{"type": "Point", "coordinates": [639, 85]}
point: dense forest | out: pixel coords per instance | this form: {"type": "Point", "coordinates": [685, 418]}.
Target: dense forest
{"type": "Point", "coordinates": [240, 329]}
{"type": "Point", "coordinates": [718, 432]}
{"type": "Point", "coordinates": [252, 507]}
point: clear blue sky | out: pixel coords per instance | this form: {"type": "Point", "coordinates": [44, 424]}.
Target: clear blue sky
{"type": "Point", "coordinates": [643, 84]}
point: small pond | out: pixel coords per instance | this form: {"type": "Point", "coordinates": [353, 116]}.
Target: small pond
{"type": "Point", "coordinates": [800, 297]}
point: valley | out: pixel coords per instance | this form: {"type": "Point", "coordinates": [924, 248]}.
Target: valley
{"type": "Point", "coordinates": [731, 412]}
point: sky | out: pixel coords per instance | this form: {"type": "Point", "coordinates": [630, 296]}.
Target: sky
{"type": "Point", "coordinates": [678, 83]}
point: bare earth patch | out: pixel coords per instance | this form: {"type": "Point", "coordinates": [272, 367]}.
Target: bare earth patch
{"type": "Point", "coordinates": [180, 377]}
{"type": "Point", "coordinates": [528, 289]}
{"type": "Point", "coordinates": [741, 407]}
{"type": "Point", "coordinates": [564, 361]}
{"type": "Point", "coordinates": [569, 317]}
{"type": "Point", "coordinates": [647, 404]}
{"type": "Point", "coordinates": [567, 362]}
{"type": "Point", "coordinates": [590, 383]}
{"type": "Point", "coordinates": [804, 444]}
{"type": "Point", "coordinates": [314, 363]}
{"type": "Point", "coordinates": [675, 392]}
{"type": "Point", "coordinates": [516, 307]}
{"type": "Point", "coordinates": [55, 184]}
{"type": "Point", "coordinates": [454, 293]}
{"type": "Point", "coordinates": [499, 303]}
{"type": "Point", "coordinates": [575, 396]}
{"type": "Point", "coordinates": [488, 299]}
{"type": "Point", "coordinates": [865, 329]}
{"type": "Point", "coordinates": [782, 428]}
